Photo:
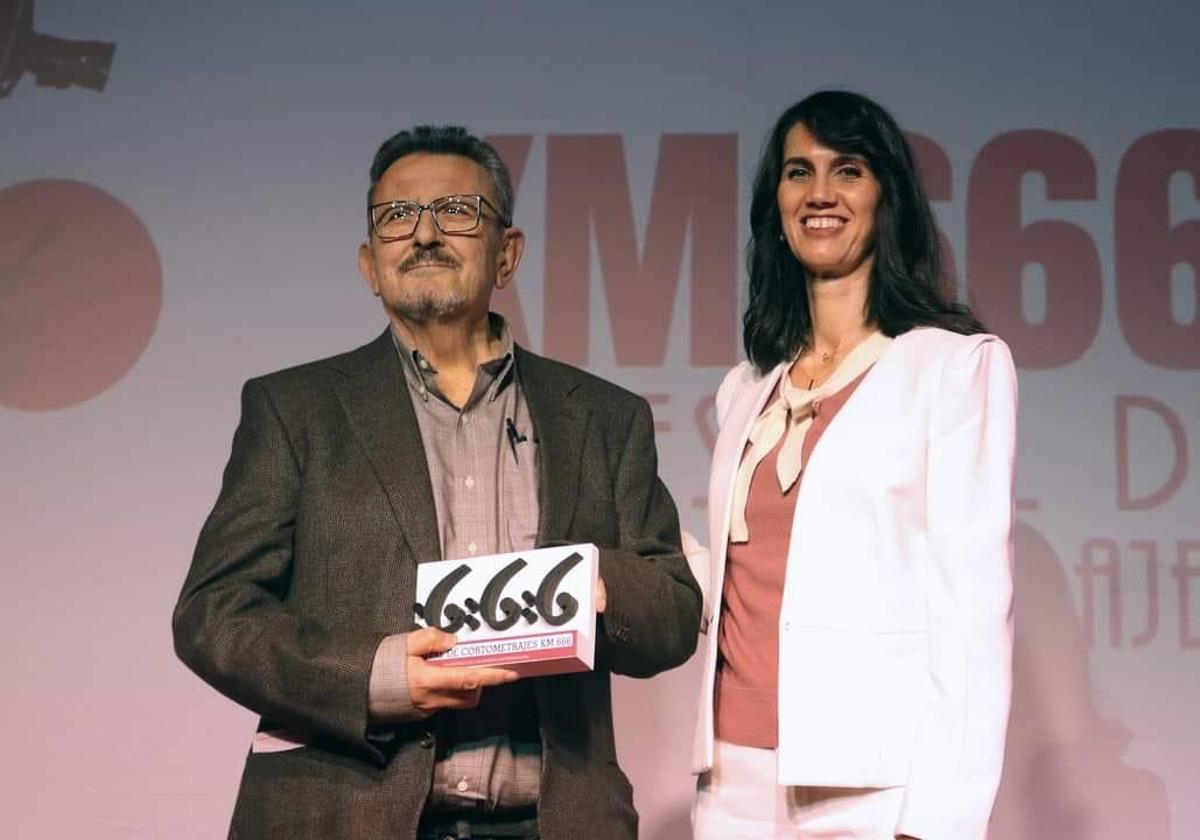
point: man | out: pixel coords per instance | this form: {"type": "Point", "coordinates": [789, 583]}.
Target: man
{"type": "Point", "coordinates": [441, 438]}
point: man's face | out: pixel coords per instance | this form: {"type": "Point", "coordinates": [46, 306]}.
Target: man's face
{"type": "Point", "coordinates": [433, 276]}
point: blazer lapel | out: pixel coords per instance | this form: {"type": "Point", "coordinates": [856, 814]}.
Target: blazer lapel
{"type": "Point", "coordinates": [746, 405]}
{"type": "Point", "coordinates": [560, 427]}
{"type": "Point", "coordinates": [377, 403]}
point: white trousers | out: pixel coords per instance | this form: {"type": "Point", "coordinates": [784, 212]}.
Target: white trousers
{"type": "Point", "coordinates": [739, 799]}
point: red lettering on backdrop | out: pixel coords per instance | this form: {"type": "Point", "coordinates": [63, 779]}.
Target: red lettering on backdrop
{"type": "Point", "coordinates": [660, 426]}
{"type": "Point", "coordinates": [937, 178]}
{"type": "Point", "coordinates": [705, 416]}
{"type": "Point", "coordinates": [1147, 248]}
{"type": "Point", "coordinates": [999, 246]}
{"type": "Point", "coordinates": [1187, 569]}
{"type": "Point", "coordinates": [1125, 499]}
{"type": "Point", "coordinates": [695, 186]}
{"type": "Point", "coordinates": [1100, 567]}
{"type": "Point", "coordinates": [514, 150]}
{"type": "Point", "coordinates": [1149, 549]}
{"type": "Point", "coordinates": [1090, 568]}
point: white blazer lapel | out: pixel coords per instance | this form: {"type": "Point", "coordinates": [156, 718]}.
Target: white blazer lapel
{"type": "Point", "coordinates": [746, 401]}
{"type": "Point", "coordinates": [739, 402]}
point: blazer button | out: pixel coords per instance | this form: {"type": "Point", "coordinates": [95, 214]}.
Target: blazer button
{"type": "Point", "coordinates": [427, 740]}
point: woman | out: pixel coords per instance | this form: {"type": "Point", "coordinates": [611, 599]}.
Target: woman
{"type": "Point", "coordinates": [859, 659]}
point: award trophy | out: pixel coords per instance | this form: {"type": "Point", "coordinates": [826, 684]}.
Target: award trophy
{"type": "Point", "coordinates": [532, 611]}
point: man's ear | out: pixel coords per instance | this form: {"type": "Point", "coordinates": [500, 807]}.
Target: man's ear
{"type": "Point", "coordinates": [512, 246]}
{"type": "Point", "coordinates": [366, 268]}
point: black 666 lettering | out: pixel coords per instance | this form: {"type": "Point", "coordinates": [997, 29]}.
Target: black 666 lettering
{"type": "Point", "coordinates": [496, 610]}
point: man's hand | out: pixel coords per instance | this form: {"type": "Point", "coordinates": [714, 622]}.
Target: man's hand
{"type": "Point", "coordinates": [436, 687]}
{"type": "Point", "coordinates": [601, 596]}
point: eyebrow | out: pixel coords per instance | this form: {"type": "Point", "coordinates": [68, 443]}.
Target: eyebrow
{"type": "Point", "coordinates": [839, 160]}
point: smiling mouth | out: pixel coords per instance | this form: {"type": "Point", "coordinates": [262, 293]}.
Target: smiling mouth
{"type": "Point", "coordinates": [405, 269]}
{"type": "Point", "coordinates": [823, 222]}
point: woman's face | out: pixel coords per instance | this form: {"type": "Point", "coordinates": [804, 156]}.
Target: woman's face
{"type": "Point", "coordinates": [827, 206]}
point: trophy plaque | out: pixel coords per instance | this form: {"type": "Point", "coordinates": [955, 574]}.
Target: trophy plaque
{"type": "Point", "coordinates": [531, 611]}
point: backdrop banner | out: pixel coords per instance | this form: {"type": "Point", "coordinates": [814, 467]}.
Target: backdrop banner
{"type": "Point", "coordinates": [182, 192]}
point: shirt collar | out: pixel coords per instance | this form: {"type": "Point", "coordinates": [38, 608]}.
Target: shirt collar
{"type": "Point", "coordinates": [491, 378]}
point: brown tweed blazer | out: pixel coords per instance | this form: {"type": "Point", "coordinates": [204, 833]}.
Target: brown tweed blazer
{"type": "Point", "coordinates": [309, 559]}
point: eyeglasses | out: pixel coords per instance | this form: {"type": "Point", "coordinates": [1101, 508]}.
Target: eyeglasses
{"type": "Point", "coordinates": [452, 214]}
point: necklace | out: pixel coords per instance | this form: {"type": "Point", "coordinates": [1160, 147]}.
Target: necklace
{"type": "Point", "coordinates": [828, 356]}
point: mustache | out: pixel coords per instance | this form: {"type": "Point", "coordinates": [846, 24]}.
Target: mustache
{"type": "Point", "coordinates": [428, 256]}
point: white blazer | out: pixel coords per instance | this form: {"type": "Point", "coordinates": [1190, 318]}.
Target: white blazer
{"type": "Point", "coordinates": [895, 631]}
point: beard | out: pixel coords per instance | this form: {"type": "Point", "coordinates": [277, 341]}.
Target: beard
{"type": "Point", "coordinates": [427, 305]}
{"type": "Point", "coordinates": [421, 302]}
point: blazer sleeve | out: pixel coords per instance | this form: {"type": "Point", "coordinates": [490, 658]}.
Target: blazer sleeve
{"type": "Point", "coordinates": [232, 625]}
{"type": "Point", "coordinates": [652, 619]}
{"type": "Point", "coordinates": [736, 378]}
{"type": "Point", "coordinates": [960, 742]}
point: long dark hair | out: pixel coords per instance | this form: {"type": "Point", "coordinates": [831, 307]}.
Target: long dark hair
{"type": "Point", "coordinates": [907, 288]}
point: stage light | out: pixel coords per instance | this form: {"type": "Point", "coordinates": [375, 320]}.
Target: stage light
{"type": "Point", "coordinates": [54, 62]}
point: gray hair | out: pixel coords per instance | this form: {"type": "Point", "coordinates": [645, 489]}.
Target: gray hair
{"type": "Point", "coordinates": [446, 140]}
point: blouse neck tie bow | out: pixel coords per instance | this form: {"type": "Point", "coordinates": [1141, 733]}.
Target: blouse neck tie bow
{"type": "Point", "coordinates": [789, 417]}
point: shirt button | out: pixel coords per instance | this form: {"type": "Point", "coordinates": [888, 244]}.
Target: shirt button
{"type": "Point", "coordinates": [470, 482]}
{"type": "Point", "coordinates": [427, 740]}
{"type": "Point", "coordinates": [463, 786]}
{"type": "Point", "coordinates": [472, 548]}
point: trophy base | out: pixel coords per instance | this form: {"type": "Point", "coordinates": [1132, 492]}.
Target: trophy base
{"type": "Point", "coordinates": [537, 655]}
